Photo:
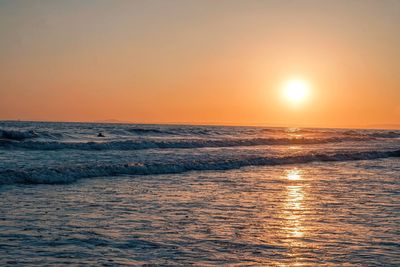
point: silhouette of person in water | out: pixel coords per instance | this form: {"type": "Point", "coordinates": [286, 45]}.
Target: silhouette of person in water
{"type": "Point", "coordinates": [100, 134]}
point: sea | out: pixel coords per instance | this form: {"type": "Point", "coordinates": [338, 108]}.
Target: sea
{"type": "Point", "coordinates": [96, 194]}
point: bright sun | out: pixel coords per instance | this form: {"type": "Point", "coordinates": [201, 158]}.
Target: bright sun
{"type": "Point", "coordinates": [296, 91]}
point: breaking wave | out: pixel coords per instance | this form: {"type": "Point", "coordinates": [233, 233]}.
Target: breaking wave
{"type": "Point", "coordinates": [17, 135]}
{"type": "Point", "coordinates": [172, 143]}
{"type": "Point", "coordinates": [68, 174]}
{"type": "Point", "coordinates": [14, 135]}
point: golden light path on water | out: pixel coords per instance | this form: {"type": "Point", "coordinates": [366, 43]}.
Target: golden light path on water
{"type": "Point", "coordinates": [293, 212]}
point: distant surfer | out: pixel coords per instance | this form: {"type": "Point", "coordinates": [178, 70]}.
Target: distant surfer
{"type": "Point", "coordinates": [100, 134]}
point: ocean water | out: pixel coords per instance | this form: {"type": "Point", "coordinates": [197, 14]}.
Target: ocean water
{"type": "Point", "coordinates": [198, 195]}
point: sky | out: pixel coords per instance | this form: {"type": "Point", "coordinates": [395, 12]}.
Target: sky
{"type": "Point", "coordinates": [201, 62]}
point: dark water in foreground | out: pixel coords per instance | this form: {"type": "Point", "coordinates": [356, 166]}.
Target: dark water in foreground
{"type": "Point", "coordinates": [181, 195]}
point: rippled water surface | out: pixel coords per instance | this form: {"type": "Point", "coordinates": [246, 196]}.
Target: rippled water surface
{"type": "Point", "coordinates": [181, 195]}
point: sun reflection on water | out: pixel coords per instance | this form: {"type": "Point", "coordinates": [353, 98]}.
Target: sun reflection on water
{"type": "Point", "coordinates": [294, 206]}
{"type": "Point", "coordinates": [294, 174]}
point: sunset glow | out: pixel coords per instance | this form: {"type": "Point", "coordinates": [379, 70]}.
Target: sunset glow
{"type": "Point", "coordinates": [200, 62]}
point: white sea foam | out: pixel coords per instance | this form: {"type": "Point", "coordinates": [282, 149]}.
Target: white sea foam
{"type": "Point", "coordinates": [66, 174]}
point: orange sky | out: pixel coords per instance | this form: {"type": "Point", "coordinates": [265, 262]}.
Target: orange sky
{"type": "Point", "coordinates": [201, 62]}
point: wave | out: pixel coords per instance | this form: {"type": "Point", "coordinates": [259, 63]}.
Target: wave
{"type": "Point", "coordinates": [14, 135]}
{"type": "Point", "coordinates": [178, 131]}
{"type": "Point", "coordinates": [17, 135]}
{"type": "Point", "coordinates": [375, 134]}
{"type": "Point", "coordinates": [68, 174]}
{"type": "Point", "coordinates": [170, 144]}
{"type": "Point", "coordinates": [144, 131]}
{"type": "Point", "coordinates": [385, 135]}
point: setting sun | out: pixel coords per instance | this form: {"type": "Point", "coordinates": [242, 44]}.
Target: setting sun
{"type": "Point", "coordinates": [296, 91]}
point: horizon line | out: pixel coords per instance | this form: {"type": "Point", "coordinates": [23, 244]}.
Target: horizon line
{"type": "Point", "coordinates": [384, 126]}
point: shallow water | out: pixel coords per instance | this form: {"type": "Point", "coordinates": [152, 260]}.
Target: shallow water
{"type": "Point", "coordinates": [323, 199]}
{"type": "Point", "coordinates": [304, 215]}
